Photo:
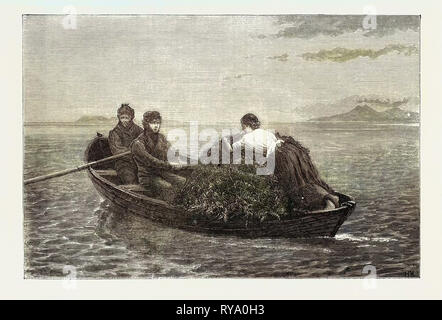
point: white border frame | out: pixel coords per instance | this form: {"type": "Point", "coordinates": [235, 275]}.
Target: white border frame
{"type": "Point", "coordinates": [12, 283]}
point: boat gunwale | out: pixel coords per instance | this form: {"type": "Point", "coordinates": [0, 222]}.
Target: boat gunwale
{"type": "Point", "coordinates": [131, 193]}
{"type": "Point", "coordinates": [342, 212]}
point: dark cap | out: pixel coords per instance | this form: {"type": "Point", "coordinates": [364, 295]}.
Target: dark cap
{"type": "Point", "coordinates": [150, 116]}
{"type": "Point", "coordinates": [126, 109]}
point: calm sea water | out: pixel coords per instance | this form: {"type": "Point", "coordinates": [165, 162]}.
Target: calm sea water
{"type": "Point", "coordinates": [67, 226]}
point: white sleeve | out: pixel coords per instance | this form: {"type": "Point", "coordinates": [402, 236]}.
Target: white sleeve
{"type": "Point", "coordinates": [236, 137]}
{"type": "Point", "coordinates": [238, 144]}
{"type": "Point", "coordinates": [271, 143]}
{"type": "Point", "coordinates": [226, 144]}
{"type": "Point", "coordinates": [272, 137]}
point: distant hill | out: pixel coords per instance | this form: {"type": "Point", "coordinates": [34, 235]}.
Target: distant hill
{"type": "Point", "coordinates": [330, 107]}
{"type": "Point", "coordinates": [365, 113]}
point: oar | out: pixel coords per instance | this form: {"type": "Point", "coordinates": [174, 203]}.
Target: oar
{"type": "Point", "coordinates": [82, 167]}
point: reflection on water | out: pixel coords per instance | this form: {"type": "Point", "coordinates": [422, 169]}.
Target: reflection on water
{"type": "Point", "coordinates": [67, 223]}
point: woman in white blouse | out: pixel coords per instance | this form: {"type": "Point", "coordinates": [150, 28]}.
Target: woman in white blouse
{"type": "Point", "coordinates": [260, 146]}
{"type": "Point", "coordinates": [255, 140]}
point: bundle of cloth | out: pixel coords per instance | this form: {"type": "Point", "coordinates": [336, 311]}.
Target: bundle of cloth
{"type": "Point", "coordinates": [300, 179]}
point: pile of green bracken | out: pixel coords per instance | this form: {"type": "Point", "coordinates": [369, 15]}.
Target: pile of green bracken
{"type": "Point", "coordinates": [232, 193]}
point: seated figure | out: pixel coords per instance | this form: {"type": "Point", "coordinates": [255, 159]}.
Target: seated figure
{"type": "Point", "coordinates": [120, 139]}
{"type": "Point", "coordinates": [149, 151]}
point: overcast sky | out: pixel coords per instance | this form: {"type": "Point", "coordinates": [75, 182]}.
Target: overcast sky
{"type": "Point", "coordinates": [215, 68]}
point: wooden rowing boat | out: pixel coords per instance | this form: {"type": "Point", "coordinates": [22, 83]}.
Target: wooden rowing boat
{"type": "Point", "coordinates": [134, 200]}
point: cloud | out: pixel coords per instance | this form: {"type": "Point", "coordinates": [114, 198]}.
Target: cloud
{"type": "Point", "coordinates": [344, 54]}
{"type": "Point", "coordinates": [282, 58]}
{"type": "Point", "coordinates": [309, 26]}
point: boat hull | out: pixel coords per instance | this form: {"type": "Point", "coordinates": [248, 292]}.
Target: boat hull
{"type": "Point", "coordinates": [318, 224]}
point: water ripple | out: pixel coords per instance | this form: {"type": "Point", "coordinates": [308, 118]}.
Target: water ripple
{"type": "Point", "coordinates": [67, 223]}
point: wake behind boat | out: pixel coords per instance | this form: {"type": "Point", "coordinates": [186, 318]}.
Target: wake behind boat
{"type": "Point", "coordinates": [133, 199]}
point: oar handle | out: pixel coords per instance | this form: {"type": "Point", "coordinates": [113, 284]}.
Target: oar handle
{"type": "Point", "coordinates": [79, 168]}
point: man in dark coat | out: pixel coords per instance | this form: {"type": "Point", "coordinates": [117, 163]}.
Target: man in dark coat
{"type": "Point", "coordinates": [120, 139]}
{"type": "Point", "coordinates": [149, 151]}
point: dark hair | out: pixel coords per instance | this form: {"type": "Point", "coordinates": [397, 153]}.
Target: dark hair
{"type": "Point", "coordinates": [251, 121]}
{"type": "Point", "coordinates": [151, 116]}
